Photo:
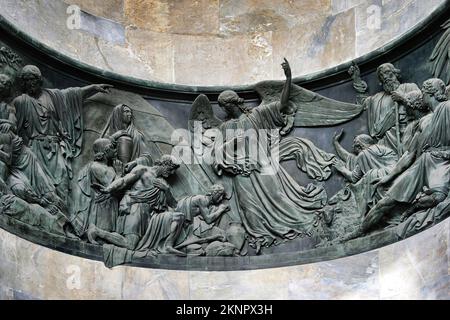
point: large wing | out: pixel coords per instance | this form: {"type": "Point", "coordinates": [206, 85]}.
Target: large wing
{"type": "Point", "coordinates": [440, 58]}
{"type": "Point", "coordinates": [202, 111]}
{"type": "Point", "coordinates": [314, 110]}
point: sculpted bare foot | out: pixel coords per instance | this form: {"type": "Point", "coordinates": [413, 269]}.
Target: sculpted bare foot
{"type": "Point", "coordinates": [172, 250]}
{"type": "Point", "coordinates": [92, 234]}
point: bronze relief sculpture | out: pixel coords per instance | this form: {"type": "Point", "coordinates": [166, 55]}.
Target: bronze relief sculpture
{"type": "Point", "coordinates": [128, 196]}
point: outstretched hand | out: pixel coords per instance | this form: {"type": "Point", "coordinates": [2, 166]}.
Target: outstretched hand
{"type": "Point", "coordinates": [354, 70]}
{"type": "Point", "coordinates": [103, 88]}
{"type": "Point", "coordinates": [338, 135]}
{"type": "Point", "coordinates": [287, 69]}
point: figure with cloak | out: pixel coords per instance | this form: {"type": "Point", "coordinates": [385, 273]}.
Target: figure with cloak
{"type": "Point", "coordinates": [132, 146]}
{"type": "Point", "coordinates": [50, 122]}
{"type": "Point", "coordinates": [421, 178]}
{"type": "Point", "coordinates": [372, 162]}
{"type": "Point", "coordinates": [200, 230]}
{"type": "Point", "coordinates": [95, 207]}
{"type": "Point", "coordinates": [387, 118]}
{"type": "Point", "coordinates": [20, 167]}
{"type": "Point", "coordinates": [150, 225]}
{"type": "Point", "coordinates": [272, 207]}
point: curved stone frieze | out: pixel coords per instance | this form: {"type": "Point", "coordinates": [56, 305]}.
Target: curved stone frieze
{"type": "Point", "coordinates": [282, 173]}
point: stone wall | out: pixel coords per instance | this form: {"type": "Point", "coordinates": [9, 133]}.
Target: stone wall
{"type": "Point", "coordinates": [216, 42]}
{"type": "Point", "coordinates": [417, 268]}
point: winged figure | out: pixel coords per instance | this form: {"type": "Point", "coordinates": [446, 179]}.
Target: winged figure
{"type": "Point", "coordinates": [440, 58]}
{"type": "Point", "coordinates": [272, 206]}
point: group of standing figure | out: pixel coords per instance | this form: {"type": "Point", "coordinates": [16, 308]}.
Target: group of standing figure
{"type": "Point", "coordinates": [404, 160]}
{"type": "Point", "coordinates": [403, 165]}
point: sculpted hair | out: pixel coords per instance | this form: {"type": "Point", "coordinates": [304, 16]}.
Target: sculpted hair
{"type": "Point", "coordinates": [6, 80]}
{"type": "Point", "coordinates": [388, 66]}
{"type": "Point", "coordinates": [168, 161]}
{"type": "Point", "coordinates": [30, 69]}
{"type": "Point", "coordinates": [216, 189]}
{"type": "Point", "coordinates": [365, 140]}
{"type": "Point", "coordinates": [227, 96]}
{"type": "Point", "coordinates": [27, 70]}
{"type": "Point", "coordinates": [100, 147]}
{"type": "Point", "coordinates": [437, 88]}
{"type": "Point", "coordinates": [414, 100]}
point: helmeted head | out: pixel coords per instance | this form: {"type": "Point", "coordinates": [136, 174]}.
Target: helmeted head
{"type": "Point", "coordinates": [5, 85]}
{"type": "Point", "coordinates": [168, 164]}
{"type": "Point", "coordinates": [389, 77]}
{"type": "Point", "coordinates": [217, 193]}
{"type": "Point", "coordinates": [362, 142]}
{"type": "Point", "coordinates": [104, 149]}
{"type": "Point", "coordinates": [31, 80]}
{"type": "Point", "coordinates": [232, 104]}
{"type": "Point", "coordinates": [434, 92]}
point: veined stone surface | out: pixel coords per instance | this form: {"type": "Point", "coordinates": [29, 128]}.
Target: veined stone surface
{"type": "Point", "coordinates": [417, 268]}
{"type": "Point", "coordinates": [238, 41]}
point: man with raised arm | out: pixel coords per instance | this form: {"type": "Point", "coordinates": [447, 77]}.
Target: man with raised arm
{"type": "Point", "coordinates": [50, 123]}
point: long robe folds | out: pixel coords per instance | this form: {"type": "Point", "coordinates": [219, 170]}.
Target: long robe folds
{"type": "Point", "coordinates": [52, 127]}
{"type": "Point", "coordinates": [382, 116]}
{"type": "Point", "coordinates": [272, 206]}
{"type": "Point", "coordinates": [428, 170]}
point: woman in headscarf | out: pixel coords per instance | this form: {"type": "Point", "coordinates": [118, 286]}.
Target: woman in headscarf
{"type": "Point", "coordinates": [122, 120]}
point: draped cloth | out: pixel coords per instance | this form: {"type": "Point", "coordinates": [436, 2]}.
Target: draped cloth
{"type": "Point", "coordinates": [93, 206]}
{"type": "Point", "coordinates": [382, 116]}
{"type": "Point", "coordinates": [427, 171]}
{"type": "Point", "coordinates": [140, 147]}
{"type": "Point", "coordinates": [272, 206]}
{"type": "Point", "coordinates": [371, 164]}
{"type": "Point", "coordinates": [314, 162]}
{"type": "Point", "coordinates": [53, 128]}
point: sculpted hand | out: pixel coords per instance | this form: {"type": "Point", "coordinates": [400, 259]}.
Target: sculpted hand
{"type": "Point", "coordinates": [381, 182]}
{"type": "Point", "coordinates": [354, 70]}
{"type": "Point", "coordinates": [160, 185]}
{"type": "Point", "coordinates": [224, 207]}
{"type": "Point", "coordinates": [130, 166]}
{"type": "Point", "coordinates": [397, 97]}
{"type": "Point", "coordinates": [104, 190]}
{"type": "Point", "coordinates": [104, 88]}
{"type": "Point", "coordinates": [338, 135]}
{"type": "Point", "coordinates": [5, 127]}
{"type": "Point", "coordinates": [287, 69]}
{"type": "Point", "coordinates": [338, 164]}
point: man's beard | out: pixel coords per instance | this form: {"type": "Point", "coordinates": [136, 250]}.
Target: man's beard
{"type": "Point", "coordinates": [390, 85]}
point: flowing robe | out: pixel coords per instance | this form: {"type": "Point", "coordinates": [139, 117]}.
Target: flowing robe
{"type": "Point", "coordinates": [93, 206]}
{"type": "Point", "coordinates": [371, 164]}
{"type": "Point", "coordinates": [427, 171]}
{"type": "Point", "coordinates": [140, 151]}
{"type": "Point", "coordinates": [272, 206]}
{"type": "Point", "coordinates": [52, 127]}
{"type": "Point", "coordinates": [149, 218]}
{"type": "Point", "coordinates": [25, 171]}
{"type": "Point", "coordinates": [382, 116]}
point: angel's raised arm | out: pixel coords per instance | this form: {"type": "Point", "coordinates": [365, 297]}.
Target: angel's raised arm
{"type": "Point", "coordinates": [286, 93]}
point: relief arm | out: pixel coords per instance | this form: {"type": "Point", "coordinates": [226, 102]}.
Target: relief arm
{"type": "Point", "coordinates": [343, 154]}
{"type": "Point", "coordinates": [90, 90]}
{"type": "Point", "coordinates": [211, 217]}
{"type": "Point", "coordinates": [286, 93]}
{"type": "Point", "coordinates": [125, 182]}
{"type": "Point", "coordinates": [404, 163]}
